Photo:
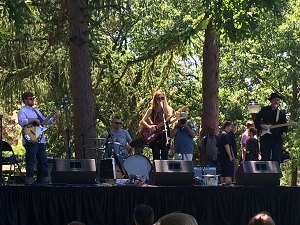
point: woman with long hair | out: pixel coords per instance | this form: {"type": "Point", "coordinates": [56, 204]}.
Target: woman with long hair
{"type": "Point", "coordinates": [154, 132]}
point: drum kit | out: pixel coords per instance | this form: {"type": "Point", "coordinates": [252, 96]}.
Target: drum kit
{"type": "Point", "coordinates": [128, 165]}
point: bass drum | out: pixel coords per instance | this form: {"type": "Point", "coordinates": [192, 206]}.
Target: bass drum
{"type": "Point", "coordinates": [139, 166]}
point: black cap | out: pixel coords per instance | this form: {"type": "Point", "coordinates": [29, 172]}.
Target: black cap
{"type": "Point", "coordinates": [274, 95]}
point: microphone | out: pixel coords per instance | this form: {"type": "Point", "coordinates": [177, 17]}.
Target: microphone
{"type": "Point", "coordinates": [161, 104]}
{"type": "Point", "coordinates": [66, 99]}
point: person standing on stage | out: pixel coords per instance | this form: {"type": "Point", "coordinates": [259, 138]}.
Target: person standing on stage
{"type": "Point", "coordinates": [233, 145]}
{"type": "Point", "coordinates": [183, 133]}
{"type": "Point", "coordinates": [153, 120]}
{"type": "Point", "coordinates": [245, 137]}
{"type": "Point", "coordinates": [117, 138]}
{"type": "Point", "coordinates": [252, 146]}
{"type": "Point", "coordinates": [271, 142]}
{"type": "Point", "coordinates": [28, 115]}
{"type": "Point", "coordinates": [208, 145]}
{"type": "Point", "coordinates": [226, 157]}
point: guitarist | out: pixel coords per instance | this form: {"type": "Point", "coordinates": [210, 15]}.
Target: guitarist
{"type": "Point", "coordinates": [271, 144]}
{"type": "Point", "coordinates": [30, 115]}
{"type": "Point", "coordinates": [153, 120]}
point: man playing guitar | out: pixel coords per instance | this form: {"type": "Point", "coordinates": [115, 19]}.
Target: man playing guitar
{"type": "Point", "coordinates": [271, 143]}
{"type": "Point", "coordinates": [28, 115]}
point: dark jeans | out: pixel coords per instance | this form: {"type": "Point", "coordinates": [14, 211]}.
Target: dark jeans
{"type": "Point", "coordinates": [159, 148]}
{"type": "Point", "coordinates": [33, 152]}
{"type": "Point", "coordinates": [271, 148]}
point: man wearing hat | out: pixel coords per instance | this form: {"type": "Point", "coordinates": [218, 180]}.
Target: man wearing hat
{"type": "Point", "coordinates": [183, 133]}
{"type": "Point", "coordinates": [28, 115]}
{"type": "Point", "coordinates": [271, 142]}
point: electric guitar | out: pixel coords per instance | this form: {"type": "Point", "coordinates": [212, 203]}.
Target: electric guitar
{"type": "Point", "coordinates": [269, 127]}
{"type": "Point", "coordinates": [33, 132]}
{"type": "Point", "coordinates": [149, 135]}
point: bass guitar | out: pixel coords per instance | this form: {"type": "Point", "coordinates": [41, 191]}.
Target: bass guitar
{"type": "Point", "coordinates": [33, 132]}
{"type": "Point", "coordinates": [269, 127]}
{"type": "Point", "coordinates": [149, 135]}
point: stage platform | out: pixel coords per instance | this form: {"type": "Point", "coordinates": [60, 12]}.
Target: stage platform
{"type": "Point", "coordinates": [113, 205]}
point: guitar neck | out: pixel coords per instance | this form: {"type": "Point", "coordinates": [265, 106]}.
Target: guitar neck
{"type": "Point", "coordinates": [279, 125]}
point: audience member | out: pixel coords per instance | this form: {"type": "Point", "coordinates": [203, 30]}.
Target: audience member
{"type": "Point", "coordinates": [76, 223]}
{"type": "Point", "coordinates": [177, 218]}
{"type": "Point", "coordinates": [143, 215]}
{"type": "Point", "coordinates": [262, 218]}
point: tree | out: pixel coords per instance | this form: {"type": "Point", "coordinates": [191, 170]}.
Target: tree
{"type": "Point", "coordinates": [80, 79]}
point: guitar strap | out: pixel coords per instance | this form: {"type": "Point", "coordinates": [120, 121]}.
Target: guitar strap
{"type": "Point", "coordinates": [38, 116]}
{"type": "Point", "coordinates": [277, 115]}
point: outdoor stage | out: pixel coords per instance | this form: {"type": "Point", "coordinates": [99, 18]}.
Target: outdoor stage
{"type": "Point", "coordinates": [113, 205]}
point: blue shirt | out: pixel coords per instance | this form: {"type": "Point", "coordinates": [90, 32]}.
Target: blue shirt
{"type": "Point", "coordinates": [183, 142]}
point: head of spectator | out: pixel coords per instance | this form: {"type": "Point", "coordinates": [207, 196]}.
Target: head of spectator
{"type": "Point", "coordinates": [177, 218]}
{"type": "Point", "coordinates": [262, 218]}
{"type": "Point", "coordinates": [143, 215]}
{"type": "Point", "coordinates": [76, 223]}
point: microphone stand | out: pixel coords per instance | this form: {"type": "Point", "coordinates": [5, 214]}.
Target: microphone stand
{"type": "Point", "coordinates": [165, 122]}
{"type": "Point", "coordinates": [67, 130]}
{"type": "Point", "coordinates": [83, 136]}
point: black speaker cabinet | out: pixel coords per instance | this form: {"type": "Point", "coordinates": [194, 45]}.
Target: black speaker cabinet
{"type": "Point", "coordinates": [173, 172]}
{"type": "Point", "coordinates": [258, 173]}
{"type": "Point", "coordinates": [74, 171]}
{"type": "Point", "coordinates": [108, 169]}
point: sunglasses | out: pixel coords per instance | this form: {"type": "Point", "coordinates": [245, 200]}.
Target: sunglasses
{"type": "Point", "coordinates": [31, 98]}
{"type": "Point", "coordinates": [160, 98]}
{"type": "Point", "coordinates": [276, 99]}
{"type": "Point", "coordinates": [118, 122]}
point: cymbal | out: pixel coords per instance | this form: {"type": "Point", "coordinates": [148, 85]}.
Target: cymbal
{"type": "Point", "coordinates": [97, 138]}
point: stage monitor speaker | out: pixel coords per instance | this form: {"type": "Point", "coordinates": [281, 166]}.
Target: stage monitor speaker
{"type": "Point", "coordinates": [173, 172]}
{"type": "Point", "coordinates": [258, 173]}
{"type": "Point", "coordinates": [108, 169]}
{"type": "Point", "coordinates": [74, 171]}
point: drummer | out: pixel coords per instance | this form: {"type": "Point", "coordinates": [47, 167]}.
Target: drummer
{"type": "Point", "coordinates": [120, 138]}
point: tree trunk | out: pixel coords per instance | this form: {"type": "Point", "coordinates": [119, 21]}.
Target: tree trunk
{"type": "Point", "coordinates": [210, 80]}
{"type": "Point", "coordinates": [80, 78]}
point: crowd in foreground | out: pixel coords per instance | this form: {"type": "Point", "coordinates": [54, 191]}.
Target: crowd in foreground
{"type": "Point", "coordinates": [144, 215]}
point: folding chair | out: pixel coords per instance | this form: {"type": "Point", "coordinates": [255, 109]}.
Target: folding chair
{"type": "Point", "coordinates": [9, 158]}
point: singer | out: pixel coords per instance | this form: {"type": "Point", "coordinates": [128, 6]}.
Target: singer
{"type": "Point", "coordinates": [155, 121]}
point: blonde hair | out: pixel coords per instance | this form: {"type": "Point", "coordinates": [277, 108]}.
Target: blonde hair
{"type": "Point", "coordinates": [262, 218]}
{"type": "Point", "coordinates": [177, 219]}
{"type": "Point", "coordinates": [154, 103]}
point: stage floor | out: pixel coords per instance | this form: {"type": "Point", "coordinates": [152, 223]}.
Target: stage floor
{"type": "Point", "coordinates": [113, 205]}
